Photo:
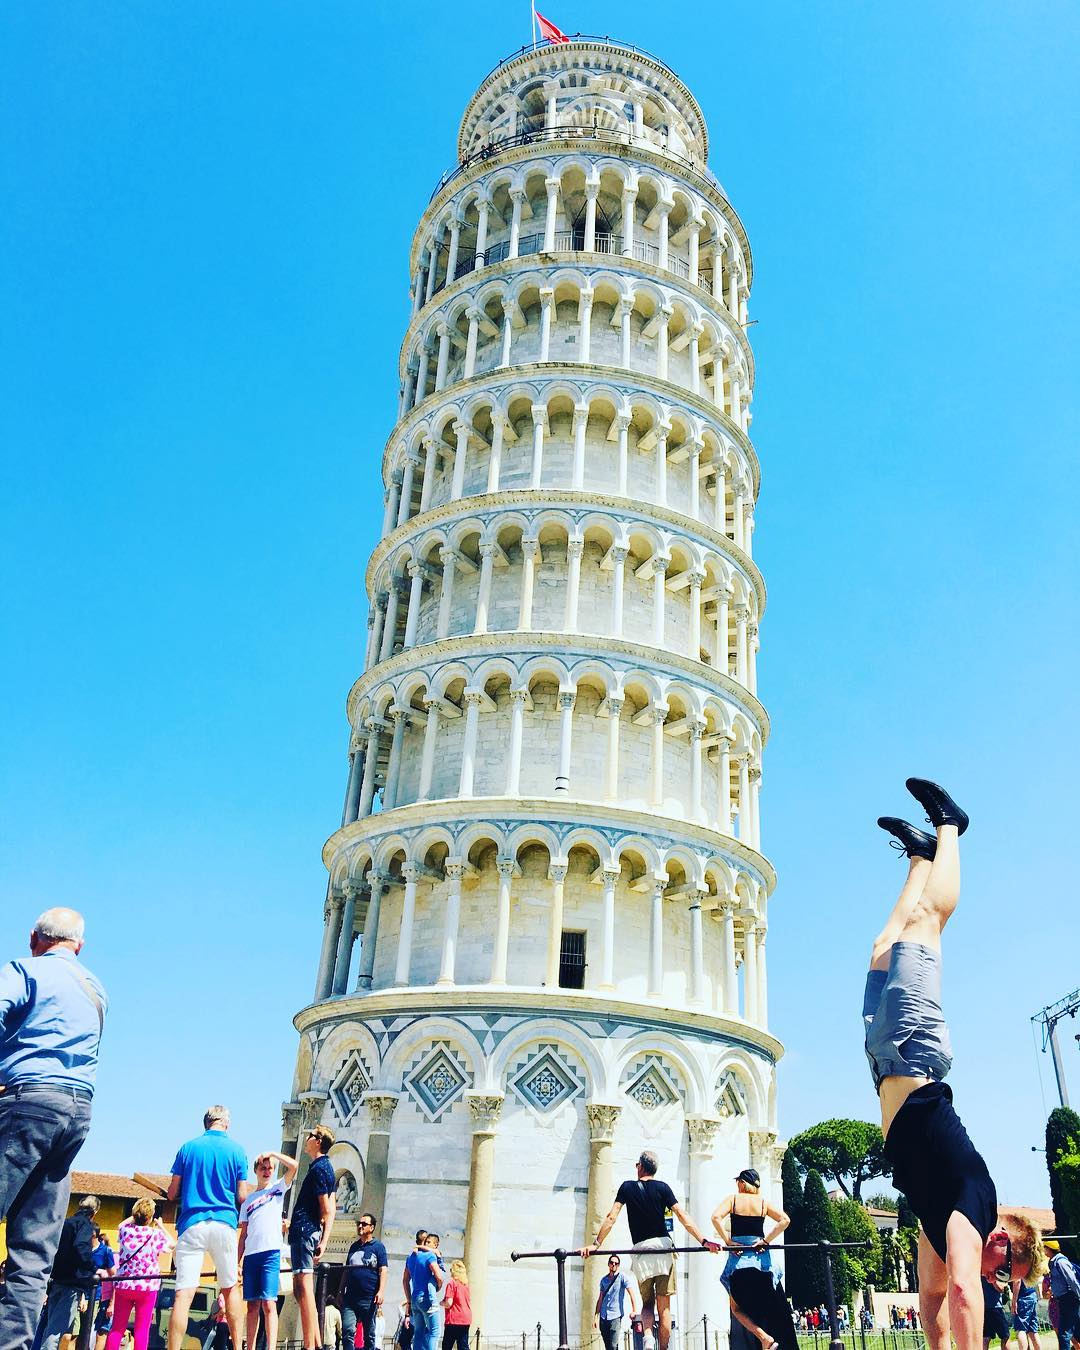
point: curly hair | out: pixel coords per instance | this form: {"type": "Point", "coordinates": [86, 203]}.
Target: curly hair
{"type": "Point", "coordinates": [1027, 1247]}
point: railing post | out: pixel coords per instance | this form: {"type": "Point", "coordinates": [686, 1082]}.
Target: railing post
{"type": "Point", "coordinates": [560, 1271]}
{"type": "Point", "coordinates": [538, 1336]}
{"type": "Point", "coordinates": [835, 1342]}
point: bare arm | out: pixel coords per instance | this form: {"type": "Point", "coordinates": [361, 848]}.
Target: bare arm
{"type": "Point", "coordinates": [688, 1223]}
{"type": "Point", "coordinates": [782, 1221]}
{"type": "Point", "coordinates": [288, 1165]}
{"type": "Point", "coordinates": [604, 1229]}
{"type": "Point", "coordinates": [964, 1267]}
{"type": "Point", "coordinates": [173, 1193]}
{"type": "Point", "coordinates": [242, 1241]}
{"type": "Point", "coordinates": [380, 1293]}
{"type": "Point", "coordinates": [719, 1214]}
{"type": "Point", "coordinates": [327, 1210]}
{"type": "Point", "coordinates": [437, 1274]}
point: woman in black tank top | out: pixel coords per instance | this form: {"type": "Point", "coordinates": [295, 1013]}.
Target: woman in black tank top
{"type": "Point", "coordinates": [757, 1299]}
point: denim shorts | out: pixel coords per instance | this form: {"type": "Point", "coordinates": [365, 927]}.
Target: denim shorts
{"type": "Point", "coordinates": [906, 1033]}
{"type": "Point", "coordinates": [302, 1250]}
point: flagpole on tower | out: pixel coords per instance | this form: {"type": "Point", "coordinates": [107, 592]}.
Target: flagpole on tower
{"type": "Point", "coordinates": [533, 8]}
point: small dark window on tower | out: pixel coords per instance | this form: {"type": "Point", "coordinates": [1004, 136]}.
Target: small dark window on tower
{"type": "Point", "coordinates": [572, 961]}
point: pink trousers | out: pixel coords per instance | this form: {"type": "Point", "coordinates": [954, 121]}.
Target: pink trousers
{"type": "Point", "coordinates": [143, 1301]}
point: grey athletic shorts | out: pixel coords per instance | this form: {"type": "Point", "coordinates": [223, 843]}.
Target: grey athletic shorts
{"type": "Point", "coordinates": [906, 1033]}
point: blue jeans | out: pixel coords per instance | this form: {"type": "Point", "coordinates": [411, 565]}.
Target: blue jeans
{"type": "Point", "coordinates": [351, 1313]}
{"type": "Point", "coordinates": [427, 1328]}
{"type": "Point", "coordinates": [42, 1128]}
{"type": "Point", "coordinates": [1068, 1319]}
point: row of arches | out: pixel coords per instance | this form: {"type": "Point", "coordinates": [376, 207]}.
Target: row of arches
{"type": "Point", "coordinates": [594, 204]}
{"type": "Point", "coordinates": [688, 929]}
{"type": "Point", "coordinates": [536, 728]}
{"type": "Point", "coordinates": [551, 571]}
{"type": "Point", "coordinates": [576, 436]}
{"type": "Point", "coordinates": [572, 316]}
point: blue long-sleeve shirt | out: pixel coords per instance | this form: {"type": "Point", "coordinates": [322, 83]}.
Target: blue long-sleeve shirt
{"type": "Point", "coordinates": [49, 1024]}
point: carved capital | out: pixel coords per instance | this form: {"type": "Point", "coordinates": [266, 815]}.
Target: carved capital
{"type": "Point", "coordinates": [290, 1120]}
{"type": "Point", "coordinates": [557, 872]}
{"type": "Point", "coordinates": [611, 878]}
{"type": "Point", "coordinates": [696, 730]}
{"type": "Point", "coordinates": [619, 555]}
{"type": "Point", "coordinates": [473, 698]}
{"type": "Point", "coordinates": [601, 1119]}
{"type": "Point", "coordinates": [505, 867]}
{"type": "Point", "coordinates": [661, 563]}
{"type": "Point", "coordinates": [412, 872]}
{"type": "Point", "coordinates": [312, 1105]}
{"type": "Point", "coordinates": [381, 1107]}
{"type": "Point", "coordinates": [615, 706]}
{"type": "Point", "coordinates": [702, 1132]}
{"type": "Point", "coordinates": [484, 1109]}
{"type": "Point", "coordinates": [761, 1146]}
{"type": "Point", "coordinates": [575, 548]}
{"type": "Point", "coordinates": [566, 700]}
{"type": "Point", "coordinates": [454, 871]}
{"type": "Point", "coordinates": [530, 548]}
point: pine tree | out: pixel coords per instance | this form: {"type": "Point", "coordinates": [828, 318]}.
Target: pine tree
{"type": "Point", "coordinates": [818, 1225]}
{"type": "Point", "coordinates": [797, 1264]}
{"type": "Point", "coordinates": [1063, 1164]}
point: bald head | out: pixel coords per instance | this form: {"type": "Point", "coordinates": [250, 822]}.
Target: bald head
{"type": "Point", "coordinates": [58, 927]}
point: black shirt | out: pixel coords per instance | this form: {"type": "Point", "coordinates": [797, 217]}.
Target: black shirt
{"type": "Point", "coordinates": [74, 1265]}
{"type": "Point", "coordinates": [318, 1180]}
{"type": "Point", "coordinates": [937, 1166]}
{"type": "Point", "coordinates": [362, 1266]}
{"type": "Point", "coordinates": [648, 1204]}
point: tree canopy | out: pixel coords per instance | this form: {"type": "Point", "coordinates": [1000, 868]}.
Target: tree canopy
{"type": "Point", "coordinates": [848, 1152]}
{"type": "Point", "coordinates": [1063, 1164]}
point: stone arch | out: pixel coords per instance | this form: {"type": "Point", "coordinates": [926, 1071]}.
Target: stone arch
{"type": "Point", "coordinates": [564, 1034]}
{"type": "Point", "coordinates": [667, 1047]}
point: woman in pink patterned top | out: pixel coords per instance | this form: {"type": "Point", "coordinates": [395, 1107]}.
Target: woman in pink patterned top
{"type": "Point", "coordinates": [138, 1273]}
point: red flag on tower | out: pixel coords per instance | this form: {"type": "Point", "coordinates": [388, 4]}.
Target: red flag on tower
{"type": "Point", "coordinates": [548, 30]}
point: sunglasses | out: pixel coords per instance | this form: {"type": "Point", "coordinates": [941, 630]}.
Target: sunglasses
{"type": "Point", "coordinates": [1004, 1271]}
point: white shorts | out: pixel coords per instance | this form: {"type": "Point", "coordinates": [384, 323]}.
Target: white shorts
{"type": "Point", "coordinates": [213, 1238]}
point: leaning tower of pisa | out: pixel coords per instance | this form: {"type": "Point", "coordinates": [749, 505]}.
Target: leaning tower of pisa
{"type": "Point", "coordinates": [544, 934]}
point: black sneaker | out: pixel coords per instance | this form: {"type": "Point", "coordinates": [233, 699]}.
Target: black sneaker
{"type": "Point", "coordinates": [939, 806]}
{"type": "Point", "coordinates": [912, 843]}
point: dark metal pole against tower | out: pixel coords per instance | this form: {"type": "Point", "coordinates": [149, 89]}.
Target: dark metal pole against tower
{"type": "Point", "coordinates": [835, 1343]}
{"type": "Point", "coordinates": [560, 1266]}
{"type": "Point", "coordinates": [1048, 1019]}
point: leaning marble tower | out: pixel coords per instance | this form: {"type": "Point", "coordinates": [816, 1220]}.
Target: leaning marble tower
{"type": "Point", "coordinates": [544, 936]}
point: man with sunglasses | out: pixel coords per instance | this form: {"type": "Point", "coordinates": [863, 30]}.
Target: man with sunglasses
{"type": "Point", "coordinates": [935, 1164]}
{"type": "Point", "coordinates": [362, 1286]}
{"type": "Point", "coordinates": [310, 1226]}
{"type": "Point", "coordinates": [611, 1303]}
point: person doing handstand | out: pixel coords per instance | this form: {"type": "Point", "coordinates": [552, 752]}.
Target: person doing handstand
{"type": "Point", "coordinates": [934, 1162]}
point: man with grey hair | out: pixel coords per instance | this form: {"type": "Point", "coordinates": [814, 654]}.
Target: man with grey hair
{"type": "Point", "coordinates": [651, 1209]}
{"type": "Point", "coordinates": [52, 1010]}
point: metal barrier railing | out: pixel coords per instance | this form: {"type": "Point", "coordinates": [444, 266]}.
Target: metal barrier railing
{"type": "Point", "coordinates": [563, 1254]}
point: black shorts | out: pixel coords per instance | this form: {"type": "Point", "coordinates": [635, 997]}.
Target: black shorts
{"type": "Point", "coordinates": [937, 1166]}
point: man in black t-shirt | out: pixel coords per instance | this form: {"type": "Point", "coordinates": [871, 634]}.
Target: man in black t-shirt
{"type": "Point", "coordinates": [651, 1207]}
{"type": "Point", "coordinates": [362, 1286]}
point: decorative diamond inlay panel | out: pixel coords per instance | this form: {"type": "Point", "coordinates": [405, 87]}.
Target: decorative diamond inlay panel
{"type": "Point", "coordinates": [651, 1084]}
{"type": "Point", "coordinates": [547, 1080]}
{"type": "Point", "coordinates": [348, 1088]}
{"type": "Point", "coordinates": [730, 1100]}
{"type": "Point", "coordinates": [437, 1081]}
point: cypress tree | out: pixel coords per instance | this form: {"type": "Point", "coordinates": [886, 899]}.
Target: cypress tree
{"type": "Point", "coordinates": [795, 1265]}
{"type": "Point", "coordinates": [819, 1225]}
{"type": "Point", "coordinates": [1063, 1164]}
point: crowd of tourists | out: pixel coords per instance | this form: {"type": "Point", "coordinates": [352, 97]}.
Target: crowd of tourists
{"type": "Point", "coordinates": [52, 1010]}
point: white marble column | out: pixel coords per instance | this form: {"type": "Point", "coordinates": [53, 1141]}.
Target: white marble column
{"type": "Point", "coordinates": [750, 983]}
{"type": "Point", "coordinates": [697, 806]}
{"type": "Point", "coordinates": [352, 793]}
{"type": "Point", "coordinates": [697, 949]}
{"type": "Point", "coordinates": [547, 304]}
{"type": "Point", "coordinates": [518, 699]}
{"type": "Point", "coordinates": [389, 633]}
{"type": "Point", "coordinates": [473, 699]}
{"type": "Point", "coordinates": [591, 189]}
{"type": "Point", "coordinates": [626, 308]}
{"type": "Point", "coordinates": [574, 549]}
{"type": "Point", "coordinates": [751, 657]}
{"type": "Point", "coordinates": [408, 473]}
{"type": "Point", "coordinates": [473, 314]}
{"type": "Point", "coordinates": [452, 253]}
{"type": "Point", "coordinates": [517, 196]}
{"type": "Point", "coordinates": [483, 208]}
{"type": "Point", "coordinates": [449, 560]}
{"type": "Point", "coordinates": [483, 590]}
{"type": "Point", "coordinates": [730, 993]}
{"type": "Point", "coordinates": [657, 787]}
{"type": "Point", "coordinates": [443, 363]}
{"type": "Point", "coordinates": [700, 1201]}
{"type": "Point", "coordinates": [411, 873]}
{"type": "Point", "coordinates": [399, 716]}
{"type": "Point", "coordinates": [390, 502]}
{"type": "Point", "coordinates": [557, 874]}
{"type": "Point", "coordinates": [566, 726]}
{"type": "Point", "coordinates": [346, 938]}
{"type": "Point", "coordinates": [622, 424]}
{"type": "Point", "coordinates": [659, 570]}
{"type": "Point", "coordinates": [762, 983]}
{"type": "Point", "coordinates": [377, 628]}
{"type": "Point", "coordinates": [539, 417]}
{"type": "Point", "coordinates": [462, 430]}
{"type": "Point", "coordinates": [581, 422]}
{"type": "Point", "coordinates": [755, 820]}
{"type": "Point", "coordinates": [742, 619]}
{"type": "Point", "coordinates": [324, 981]}
{"type": "Point", "coordinates": [664, 211]}
{"type": "Point", "coordinates": [431, 457]}
{"type": "Point", "coordinates": [585, 321]}
{"type": "Point", "coordinates": [696, 448]}
{"type": "Point", "coordinates": [720, 647]}
{"type": "Point", "coordinates": [614, 710]}
{"type": "Point", "coordinates": [662, 344]}
{"type": "Point", "coordinates": [371, 760]}
{"type": "Point", "coordinates": [552, 185]}
{"type": "Point", "coordinates": [433, 707]}
{"type": "Point", "coordinates": [455, 870]}
{"type": "Point", "coordinates": [418, 574]}
{"type": "Point", "coordinates": [507, 869]}
{"type": "Point", "coordinates": [723, 817]}
{"type": "Point", "coordinates": [629, 197]}
{"type": "Point", "coordinates": [656, 938]}
{"type": "Point", "coordinates": [530, 548]}
{"type": "Point", "coordinates": [498, 431]}
{"type": "Point", "coordinates": [745, 822]}
{"type": "Point", "coordinates": [607, 931]}
{"type": "Point", "coordinates": [377, 883]}
{"type": "Point", "coordinates": [694, 645]}
{"type": "Point", "coordinates": [661, 463]}
{"type": "Point", "coordinates": [618, 580]}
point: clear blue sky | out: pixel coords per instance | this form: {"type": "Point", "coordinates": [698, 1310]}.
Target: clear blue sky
{"type": "Point", "coordinates": [207, 216]}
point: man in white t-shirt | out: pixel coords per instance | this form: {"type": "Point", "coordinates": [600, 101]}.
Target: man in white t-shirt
{"type": "Point", "coordinates": [260, 1243]}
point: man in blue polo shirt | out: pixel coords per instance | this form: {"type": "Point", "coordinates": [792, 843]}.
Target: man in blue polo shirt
{"type": "Point", "coordinates": [51, 1014]}
{"type": "Point", "coordinates": [209, 1178]}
